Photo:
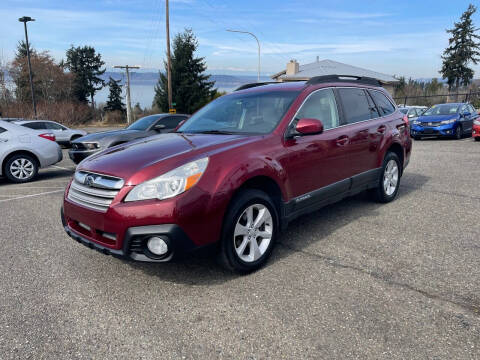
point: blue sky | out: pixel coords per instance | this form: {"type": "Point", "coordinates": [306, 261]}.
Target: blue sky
{"type": "Point", "coordinates": [395, 37]}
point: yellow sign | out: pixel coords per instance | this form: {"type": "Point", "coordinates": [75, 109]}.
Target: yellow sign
{"type": "Point", "coordinates": [172, 111]}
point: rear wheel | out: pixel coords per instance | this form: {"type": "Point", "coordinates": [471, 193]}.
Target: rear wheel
{"type": "Point", "coordinates": [389, 179]}
{"type": "Point", "coordinates": [21, 168]}
{"type": "Point", "coordinates": [249, 232]}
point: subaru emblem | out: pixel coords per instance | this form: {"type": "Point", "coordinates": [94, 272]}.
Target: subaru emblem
{"type": "Point", "coordinates": [89, 180]}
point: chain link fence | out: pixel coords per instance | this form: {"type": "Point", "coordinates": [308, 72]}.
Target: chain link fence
{"type": "Point", "coordinates": [429, 100]}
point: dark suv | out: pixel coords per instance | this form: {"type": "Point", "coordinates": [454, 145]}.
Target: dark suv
{"type": "Point", "coordinates": [239, 170]}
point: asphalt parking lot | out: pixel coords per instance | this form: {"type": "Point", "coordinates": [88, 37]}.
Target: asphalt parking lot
{"type": "Point", "coordinates": [353, 280]}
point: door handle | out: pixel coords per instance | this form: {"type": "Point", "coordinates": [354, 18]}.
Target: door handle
{"type": "Point", "coordinates": [381, 129]}
{"type": "Point", "coordinates": [342, 140]}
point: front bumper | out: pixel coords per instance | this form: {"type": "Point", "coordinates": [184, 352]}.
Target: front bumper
{"type": "Point", "coordinates": [443, 130]}
{"type": "Point", "coordinates": [476, 131]}
{"type": "Point", "coordinates": [134, 242]}
{"type": "Point", "coordinates": [79, 155]}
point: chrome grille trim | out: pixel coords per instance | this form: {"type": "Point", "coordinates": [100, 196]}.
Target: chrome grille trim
{"type": "Point", "coordinates": [98, 194]}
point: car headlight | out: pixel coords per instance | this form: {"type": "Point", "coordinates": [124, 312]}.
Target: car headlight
{"type": "Point", "coordinates": [449, 121]}
{"type": "Point", "coordinates": [91, 146]}
{"type": "Point", "coordinates": [170, 184]}
{"type": "Point", "coordinates": [416, 122]}
{"type": "Point", "coordinates": [476, 122]}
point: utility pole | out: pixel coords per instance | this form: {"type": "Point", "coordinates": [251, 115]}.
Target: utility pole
{"type": "Point", "coordinates": [129, 105]}
{"type": "Point", "coordinates": [258, 46]}
{"type": "Point", "coordinates": [169, 67]}
{"type": "Point", "coordinates": [26, 19]}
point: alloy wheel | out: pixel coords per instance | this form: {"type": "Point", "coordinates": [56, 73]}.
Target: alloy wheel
{"type": "Point", "coordinates": [253, 233]}
{"type": "Point", "coordinates": [390, 177]}
{"type": "Point", "coordinates": [22, 169]}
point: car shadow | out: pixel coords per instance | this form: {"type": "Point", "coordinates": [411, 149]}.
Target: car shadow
{"type": "Point", "coordinates": [204, 270]}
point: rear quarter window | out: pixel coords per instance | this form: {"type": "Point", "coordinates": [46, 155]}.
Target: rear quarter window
{"type": "Point", "coordinates": [383, 104]}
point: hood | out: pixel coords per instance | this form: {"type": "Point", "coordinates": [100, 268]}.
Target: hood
{"type": "Point", "coordinates": [105, 134]}
{"type": "Point", "coordinates": [146, 158]}
{"type": "Point", "coordinates": [437, 118]}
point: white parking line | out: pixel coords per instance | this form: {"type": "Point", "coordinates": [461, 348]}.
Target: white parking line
{"type": "Point", "coordinates": [32, 195]}
{"type": "Point", "coordinates": [63, 168]}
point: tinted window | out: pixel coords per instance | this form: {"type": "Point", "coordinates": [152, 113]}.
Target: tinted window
{"type": "Point", "coordinates": [373, 108]}
{"type": "Point", "coordinates": [256, 112]}
{"type": "Point", "coordinates": [321, 105]}
{"type": "Point", "coordinates": [383, 103]}
{"type": "Point", "coordinates": [2, 130]}
{"type": "Point", "coordinates": [171, 122]}
{"type": "Point", "coordinates": [54, 126]}
{"type": "Point", "coordinates": [471, 109]}
{"type": "Point", "coordinates": [143, 123]}
{"type": "Point", "coordinates": [37, 125]}
{"type": "Point", "coordinates": [355, 105]}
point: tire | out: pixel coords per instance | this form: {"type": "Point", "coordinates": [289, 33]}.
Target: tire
{"type": "Point", "coordinates": [383, 193]}
{"type": "Point", "coordinates": [21, 168]}
{"type": "Point", "coordinates": [459, 132]}
{"type": "Point", "coordinates": [477, 138]}
{"type": "Point", "coordinates": [417, 138]}
{"type": "Point", "coordinates": [236, 248]}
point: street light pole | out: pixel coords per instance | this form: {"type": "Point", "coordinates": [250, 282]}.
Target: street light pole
{"type": "Point", "coordinates": [26, 19]}
{"type": "Point", "coordinates": [258, 43]}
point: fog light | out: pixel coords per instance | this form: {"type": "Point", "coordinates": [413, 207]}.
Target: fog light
{"type": "Point", "coordinates": [157, 246]}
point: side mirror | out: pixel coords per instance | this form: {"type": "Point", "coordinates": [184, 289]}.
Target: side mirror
{"type": "Point", "coordinates": [309, 126]}
{"type": "Point", "coordinates": [159, 127]}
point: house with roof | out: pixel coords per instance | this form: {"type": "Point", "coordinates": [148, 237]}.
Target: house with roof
{"type": "Point", "coordinates": [296, 72]}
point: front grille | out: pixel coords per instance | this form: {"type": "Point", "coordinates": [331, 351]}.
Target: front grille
{"type": "Point", "coordinates": [78, 146]}
{"type": "Point", "coordinates": [94, 191]}
{"type": "Point", "coordinates": [432, 124]}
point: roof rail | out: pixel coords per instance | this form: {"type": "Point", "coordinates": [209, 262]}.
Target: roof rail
{"type": "Point", "coordinates": [251, 85]}
{"type": "Point", "coordinates": [344, 78]}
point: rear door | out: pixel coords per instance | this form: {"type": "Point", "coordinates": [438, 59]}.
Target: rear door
{"type": "Point", "coordinates": [364, 128]}
{"type": "Point", "coordinates": [60, 132]}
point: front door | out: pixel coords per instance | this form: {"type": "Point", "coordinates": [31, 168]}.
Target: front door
{"type": "Point", "coordinates": [317, 165]}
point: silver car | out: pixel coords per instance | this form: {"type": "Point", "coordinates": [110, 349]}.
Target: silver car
{"type": "Point", "coordinates": [23, 151]}
{"type": "Point", "coordinates": [63, 134]}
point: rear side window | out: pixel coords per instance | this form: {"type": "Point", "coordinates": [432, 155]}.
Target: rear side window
{"type": "Point", "coordinates": [54, 126]}
{"type": "Point", "coordinates": [355, 105]}
{"type": "Point", "coordinates": [321, 105]}
{"type": "Point", "coordinates": [37, 125]}
{"type": "Point", "coordinates": [2, 130]}
{"type": "Point", "coordinates": [383, 103]}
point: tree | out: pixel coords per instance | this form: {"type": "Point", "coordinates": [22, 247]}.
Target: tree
{"type": "Point", "coordinates": [86, 66]}
{"type": "Point", "coordinates": [190, 86]}
{"type": "Point", "coordinates": [462, 50]}
{"type": "Point", "coordinates": [50, 81]}
{"type": "Point", "coordinates": [114, 102]}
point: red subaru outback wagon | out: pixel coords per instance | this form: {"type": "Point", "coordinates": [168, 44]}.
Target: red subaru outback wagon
{"type": "Point", "coordinates": [239, 170]}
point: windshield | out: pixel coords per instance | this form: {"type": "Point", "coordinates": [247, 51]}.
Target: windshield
{"type": "Point", "coordinates": [444, 109]}
{"type": "Point", "coordinates": [143, 123]}
{"type": "Point", "coordinates": [248, 113]}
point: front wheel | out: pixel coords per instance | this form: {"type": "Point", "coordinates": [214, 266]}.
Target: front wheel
{"type": "Point", "coordinates": [389, 179]}
{"type": "Point", "coordinates": [249, 232]}
{"type": "Point", "coordinates": [477, 138]}
{"type": "Point", "coordinates": [459, 132]}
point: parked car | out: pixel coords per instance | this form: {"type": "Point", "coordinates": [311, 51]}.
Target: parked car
{"type": "Point", "coordinates": [476, 129]}
{"type": "Point", "coordinates": [451, 120]}
{"type": "Point", "coordinates": [11, 119]}
{"type": "Point", "coordinates": [64, 135]}
{"type": "Point", "coordinates": [24, 151]}
{"type": "Point", "coordinates": [412, 112]}
{"type": "Point", "coordinates": [239, 170]}
{"type": "Point", "coordinates": [144, 127]}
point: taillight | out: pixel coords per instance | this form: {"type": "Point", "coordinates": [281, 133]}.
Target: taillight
{"type": "Point", "coordinates": [48, 136]}
{"type": "Point", "coordinates": [405, 120]}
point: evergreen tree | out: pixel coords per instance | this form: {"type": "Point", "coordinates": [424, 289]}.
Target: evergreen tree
{"type": "Point", "coordinates": [114, 102]}
{"type": "Point", "coordinates": [462, 50]}
{"type": "Point", "coordinates": [190, 86]}
{"type": "Point", "coordinates": [86, 65]}
{"type": "Point", "coordinates": [21, 51]}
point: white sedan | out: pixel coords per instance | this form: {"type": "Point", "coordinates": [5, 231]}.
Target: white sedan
{"type": "Point", "coordinates": [64, 135]}
{"type": "Point", "coordinates": [23, 151]}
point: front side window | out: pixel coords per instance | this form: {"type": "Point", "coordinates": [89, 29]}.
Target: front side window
{"type": "Point", "coordinates": [241, 113]}
{"type": "Point", "coordinates": [385, 106]}
{"type": "Point", "coordinates": [170, 122]}
{"type": "Point", "coordinates": [143, 123]}
{"type": "Point", "coordinates": [355, 105]}
{"type": "Point", "coordinates": [443, 109]}
{"type": "Point", "coordinates": [320, 105]}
